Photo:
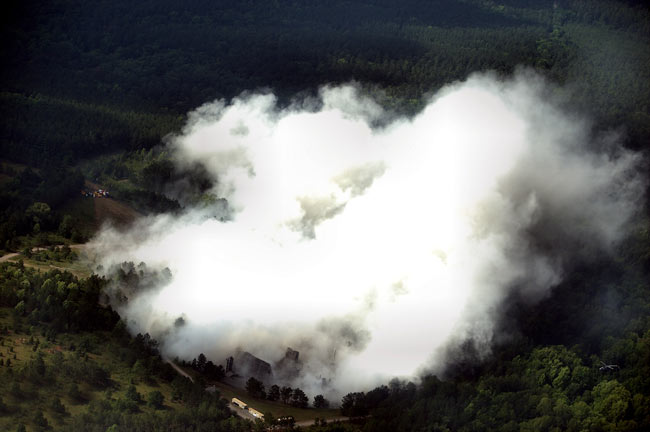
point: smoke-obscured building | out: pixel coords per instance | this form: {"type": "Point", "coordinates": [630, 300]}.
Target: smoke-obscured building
{"type": "Point", "coordinates": [289, 366]}
{"type": "Point", "coordinates": [292, 354]}
{"type": "Point", "coordinates": [246, 364]}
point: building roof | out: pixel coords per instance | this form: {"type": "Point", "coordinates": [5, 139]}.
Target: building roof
{"type": "Point", "coordinates": [256, 413]}
{"type": "Point", "coordinates": [239, 402]}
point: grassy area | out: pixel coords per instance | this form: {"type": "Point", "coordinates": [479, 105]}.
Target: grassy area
{"type": "Point", "coordinates": [278, 409]}
{"type": "Point", "coordinates": [40, 240]}
{"type": "Point", "coordinates": [78, 267]}
{"type": "Point", "coordinates": [23, 397]}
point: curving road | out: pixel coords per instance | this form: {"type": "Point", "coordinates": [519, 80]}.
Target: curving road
{"type": "Point", "coordinates": [9, 256]}
{"type": "Point", "coordinates": [179, 370]}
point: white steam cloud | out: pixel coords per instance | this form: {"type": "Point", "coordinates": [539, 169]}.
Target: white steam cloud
{"type": "Point", "coordinates": [367, 248]}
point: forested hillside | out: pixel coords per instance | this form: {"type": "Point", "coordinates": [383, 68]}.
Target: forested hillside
{"type": "Point", "coordinates": [68, 363]}
{"type": "Point", "coordinates": [88, 90]}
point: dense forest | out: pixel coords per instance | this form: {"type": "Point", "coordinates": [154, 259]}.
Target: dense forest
{"type": "Point", "coordinates": [125, 74]}
{"type": "Point", "coordinates": [90, 89]}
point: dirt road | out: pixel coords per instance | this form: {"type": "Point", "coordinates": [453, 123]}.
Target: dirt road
{"type": "Point", "coordinates": [77, 267]}
{"type": "Point", "coordinates": [179, 370]}
{"type": "Point", "coordinates": [11, 255]}
{"type": "Point", "coordinates": [109, 209]}
{"type": "Point", "coordinates": [240, 412]}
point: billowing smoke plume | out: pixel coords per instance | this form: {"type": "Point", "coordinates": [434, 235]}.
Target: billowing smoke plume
{"type": "Point", "coordinates": [369, 248]}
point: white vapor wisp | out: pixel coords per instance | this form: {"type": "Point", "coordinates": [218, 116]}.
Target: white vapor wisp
{"type": "Point", "coordinates": [368, 248]}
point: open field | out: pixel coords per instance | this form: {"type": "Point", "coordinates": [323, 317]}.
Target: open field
{"type": "Point", "coordinates": [89, 213]}
{"type": "Point", "coordinates": [110, 210]}
{"type": "Point", "coordinates": [79, 267]}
